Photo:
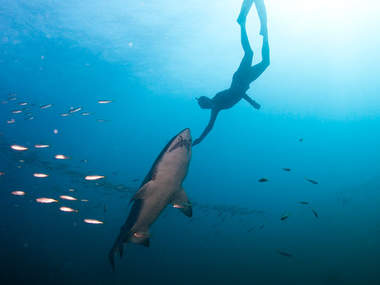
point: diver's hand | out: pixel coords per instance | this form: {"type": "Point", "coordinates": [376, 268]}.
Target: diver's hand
{"type": "Point", "coordinates": [256, 105]}
{"type": "Point", "coordinates": [197, 141]}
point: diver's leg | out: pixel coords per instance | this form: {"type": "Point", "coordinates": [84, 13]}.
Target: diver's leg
{"type": "Point", "coordinates": [262, 12]}
{"type": "Point", "coordinates": [258, 69]}
{"type": "Point", "coordinates": [244, 41]}
{"type": "Point", "coordinates": [245, 7]}
{"type": "Point", "coordinates": [246, 62]}
{"type": "Point", "coordinates": [265, 52]}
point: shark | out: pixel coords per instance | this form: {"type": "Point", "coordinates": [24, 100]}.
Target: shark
{"type": "Point", "coordinates": [161, 187]}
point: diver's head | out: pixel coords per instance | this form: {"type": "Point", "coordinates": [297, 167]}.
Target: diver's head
{"type": "Point", "coordinates": [205, 102]}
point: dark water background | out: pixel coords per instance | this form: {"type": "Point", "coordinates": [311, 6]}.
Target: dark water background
{"type": "Point", "coordinates": [152, 59]}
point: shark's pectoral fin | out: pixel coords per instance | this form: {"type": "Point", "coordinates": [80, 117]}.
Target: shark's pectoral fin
{"type": "Point", "coordinates": [181, 202]}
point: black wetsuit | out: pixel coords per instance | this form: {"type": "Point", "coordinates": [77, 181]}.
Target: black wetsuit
{"type": "Point", "coordinates": [245, 74]}
{"type": "Point", "coordinates": [241, 81]}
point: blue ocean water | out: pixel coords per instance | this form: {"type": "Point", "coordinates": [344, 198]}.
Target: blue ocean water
{"type": "Point", "coordinates": [320, 116]}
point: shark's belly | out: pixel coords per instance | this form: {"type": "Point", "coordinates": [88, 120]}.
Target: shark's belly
{"type": "Point", "coordinates": [172, 173]}
{"type": "Point", "coordinates": [153, 205]}
{"type": "Point", "coordinates": [168, 179]}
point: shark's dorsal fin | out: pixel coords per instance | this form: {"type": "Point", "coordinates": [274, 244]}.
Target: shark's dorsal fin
{"type": "Point", "coordinates": [181, 202]}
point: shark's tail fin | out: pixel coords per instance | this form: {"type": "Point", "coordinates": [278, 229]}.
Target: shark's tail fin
{"type": "Point", "coordinates": [126, 235]}
{"type": "Point", "coordinates": [141, 238]}
{"type": "Point", "coordinates": [117, 247]}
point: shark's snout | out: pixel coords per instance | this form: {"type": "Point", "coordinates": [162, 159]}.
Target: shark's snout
{"type": "Point", "coordinates": [186, 134]}
{"type": "Point", "coordinates": [183, 139]}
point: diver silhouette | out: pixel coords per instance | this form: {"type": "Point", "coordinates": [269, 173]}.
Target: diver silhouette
{"type": "Point", "coordinates": [245, 74]}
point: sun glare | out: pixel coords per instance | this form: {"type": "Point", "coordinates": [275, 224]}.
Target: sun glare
{"type": "Point", "coordinates": [330, 16]}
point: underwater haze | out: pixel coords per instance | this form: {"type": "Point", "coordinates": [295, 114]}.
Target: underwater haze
{"type": "Point", "coordinates": [288, 194]}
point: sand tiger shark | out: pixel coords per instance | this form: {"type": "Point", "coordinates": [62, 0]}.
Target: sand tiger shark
{"type": "Point", "coordinates": [162, 186]}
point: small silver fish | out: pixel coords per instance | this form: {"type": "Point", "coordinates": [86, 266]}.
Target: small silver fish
{"type": "Point", "coordinates": [92, 221]}
{"type": "Point", "coordinates": [74, 110]}
{"type": "Point", "coordinates": [104, 101]}
{"type": "Point", "coordinates": [18, 147]}
{"type": "Point", "coordinates": [40, 175]}
{"type": "Point", "coordinates": [65, 197]}
{"type": "Point", "coordinates": [284, 217]}
{"type": "Point", "coordinates": [46, 200]}
{"type": "Point", "coordinates": [41, 146]}
{"type": "Point", "coordinates": [67, 209]}
{"type": "Point", "coordinates": [311, 181]}
{"type": "Point", "coordinates": [93, 177]}
{"type": "Point", "coordinates": [18, 193]}
{"type": "Point", "coordinates": [61, 156]}
{"type": "Point", "coordinates": [46, 106]}
{"type": "Point", "coordinates": [283, 253]}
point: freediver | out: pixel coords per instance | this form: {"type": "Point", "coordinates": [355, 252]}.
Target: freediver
{"type": "Point", "coordinates": [245, 74]}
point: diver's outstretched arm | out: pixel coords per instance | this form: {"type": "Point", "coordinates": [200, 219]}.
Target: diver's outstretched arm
{"type": "Point", "coordinates": [252, 102]}
{"type": "Point", "coordinates": [214, 114]}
